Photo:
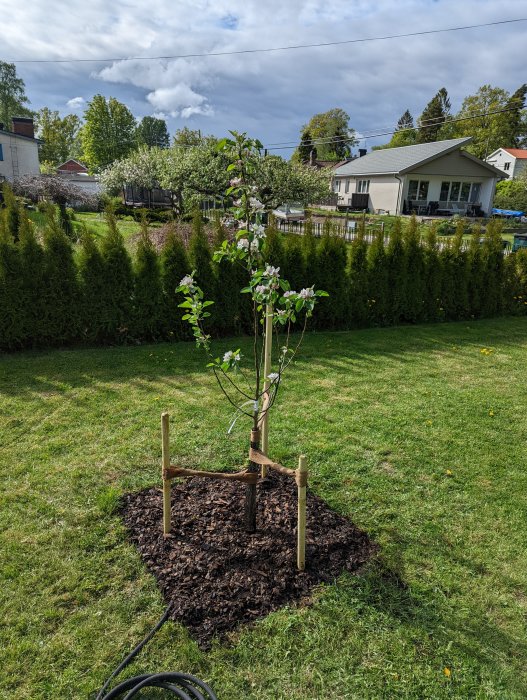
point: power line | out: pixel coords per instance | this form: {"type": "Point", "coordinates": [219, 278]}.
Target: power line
{"type": "Point", "coordinates": [268, 50]}
{"type": "Point", "coordinates": [339, 139]}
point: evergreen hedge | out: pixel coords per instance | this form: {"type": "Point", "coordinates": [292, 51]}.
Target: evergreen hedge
{"type": "Point", "coordinates": [51, 296]}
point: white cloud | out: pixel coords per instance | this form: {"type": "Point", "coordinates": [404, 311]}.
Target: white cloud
{"type": "Point", "coordinates": [76, 103]}
{"type": "Point", "coordinates": [270, 95]}
{"type": "Point", "coordinates": [179, 100]}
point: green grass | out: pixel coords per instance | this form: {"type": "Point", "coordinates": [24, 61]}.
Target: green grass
{"type": "Point", "coordinates": [414, 433]}
{"type": "Point", "coordinates": [95, 223]}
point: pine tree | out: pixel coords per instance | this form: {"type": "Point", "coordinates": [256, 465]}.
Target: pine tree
{"type": "Point", "coordinates": [174, 266]}
{"type": "Point", "coordinates": [227, 311]}
{"type": "Point", "coordinates": [415, 288]}
{"type": "Point", "coordinates": [397, 274]}
{"type": "Point", "coordinates": [92, 289]}
{"type": "Point", "coordinates": [293, 263]}
{"type": "Point", "coordinates": [476, 277]}
{"type": "Point", "coordinates": [461, 275]}
{"type": "Point", "coordinates": [118, 283]}
{"type": "Point", "coordinates": [11, 212]}
{"type": "Point", "coordinates": [12, 306]}
{"type": "Point", "coordinates": [306, 149]}
{"type": "Point", "coordinates": [492, 261]}
{"type": "Point", "coordinates": [358, 281]}
{"type": "Point", "coordinates": [309, 248]}
{"type": "Point", "coordinates": [433, 310]}
{"type": "Point", "coordinates": [332, 254]}
{"type": "Point", "coordinates": [274, 247]}
{"type": "Point", "coordinates": [148, 290]}
{"type": "Point", "coordinates": [34, 284]}
{"type": "Point", "coordinates": [433, 117]}
{"type": "Point", "coordinates": [200, 256]}
{"type": "Point", "coordinates": [62, 318]}
{"type": "Point", "coordinates": [378, 281]}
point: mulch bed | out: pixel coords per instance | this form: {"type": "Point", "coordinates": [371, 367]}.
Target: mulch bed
{"type": "Point", "coordinates": [219, 577]}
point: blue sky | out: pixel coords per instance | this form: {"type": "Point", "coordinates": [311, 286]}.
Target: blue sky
{"type": "Point", "coordinates": [269, 95]}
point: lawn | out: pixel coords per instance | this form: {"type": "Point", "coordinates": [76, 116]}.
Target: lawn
{"type": "Point", "coordinates": [417, 434]}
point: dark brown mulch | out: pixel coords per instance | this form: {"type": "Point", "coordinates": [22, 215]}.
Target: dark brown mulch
{"type": "Point", "coordinates": [219, 577]}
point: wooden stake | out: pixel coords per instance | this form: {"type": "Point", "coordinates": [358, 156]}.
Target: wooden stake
{"type": "Point", "coordinates": [165, 450]}
{"type": "Point", "coordinates": [267, 382]}
{"type": "Point", "coordinates": [301, 480]}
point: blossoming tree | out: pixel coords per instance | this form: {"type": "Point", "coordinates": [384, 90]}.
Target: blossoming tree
{"type": "Point", "coordinates": [248, 382]}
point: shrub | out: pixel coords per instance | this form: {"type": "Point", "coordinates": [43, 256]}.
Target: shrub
{"type": "Point", "coordinates": [378, 289]}
{"type": "Point", "coordinates": [174, 266]}
{"type": "Point", "coordinates": [118, 283]}
{"type": "Point", "coordinates": [148, 290]}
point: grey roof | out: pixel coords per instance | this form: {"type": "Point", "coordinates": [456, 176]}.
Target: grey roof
{"type": "Point", "coordinates": [399, 160]}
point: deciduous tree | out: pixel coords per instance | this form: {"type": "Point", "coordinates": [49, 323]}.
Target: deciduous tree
{"type": "Point", "coordinates": [60, 136]}
{"type": "Point", "coordinates": [331, 134]}
{"type": "Point", "coordinates": [151, 132]}
{"type": "Point", "coordinates": [13, 98]}
{"type": "Point", "coordinates": [108, 132]}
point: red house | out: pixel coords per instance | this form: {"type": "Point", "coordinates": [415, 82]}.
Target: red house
{"type": "Point", "coordinates": [72, 167]}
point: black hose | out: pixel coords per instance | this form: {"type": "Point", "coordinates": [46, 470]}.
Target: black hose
{"type": "Point", "coordinates": [182, 685]}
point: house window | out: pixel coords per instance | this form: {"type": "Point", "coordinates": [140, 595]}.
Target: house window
{"type": "Point", "coordinates": [363, 186]}
{"type": "Point", "coordinates": [443, 195]}
{"type": "Point", "coordinates": [418, 190]}
{"type": "Point", "coordinates": [337, 185]}
{"type": "Point", "coordinates": [347, 187]}
{"type": "Point", "coordinates": [1, 153]}
{"type": "Point", "coordinates": [475, 192]}
{"type": "Point", "coordinates": [506, 166]}
{"type": "Point", "coordinates": [454, 191]}
{"type": "Point", "coordinates": [465, 191]}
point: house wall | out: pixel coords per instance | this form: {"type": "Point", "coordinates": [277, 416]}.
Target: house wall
{"type": "Point", "coordinates": [453, 166]}
{"type": "Point", "coordinates": [383, 191]}
{"type": "Point", "coordinates": [88, 183]}
{"type": "Point", "coordinates": [71, 166]}
{"type": "Point", "coordinates": [505, 161]}
{"type": "Point", "coordinates": [20, 157]}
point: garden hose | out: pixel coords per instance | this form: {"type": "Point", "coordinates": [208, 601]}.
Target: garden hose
{"type": "Point", "coordinates": [182, 685]}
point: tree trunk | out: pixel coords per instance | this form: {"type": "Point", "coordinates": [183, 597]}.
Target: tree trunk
{"type": "Point", "coordinates": [250, 492]}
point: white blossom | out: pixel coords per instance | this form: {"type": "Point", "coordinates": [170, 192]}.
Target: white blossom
{"type": "Point", "coordinates": [262, 289]}
{"type": "Point", "coordinates": [254, 246]}
{"type": "Point", "coordinates": [187, 281]}
{"type": "Point", "coordinates": [273, 376]}
{"type": "Point", "coordinates": [307, 293]}
{"type": "Point", "coordinates": [235, 181]}
{"type": "Point", "coordinates": [231, 357]}
{"type": "Point", "coordinates": [243, 244]}
{"type": "Point", "coordinates": [258, 230]}
{"type": "Point", "coordinates": [289, 294]}
{"type": "Point", "coordinates": [271, 271]}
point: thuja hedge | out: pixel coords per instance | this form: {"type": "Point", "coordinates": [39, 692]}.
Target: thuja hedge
{"type": "Point", "coordinates": [52, 295]}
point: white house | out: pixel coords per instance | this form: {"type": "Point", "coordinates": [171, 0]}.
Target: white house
{"type": "Point", "coordinates": [509, 160]}
{"type": "Point", "coordinates": [428, 178]}
{"type": "Point", "coordinates": [18, 150]}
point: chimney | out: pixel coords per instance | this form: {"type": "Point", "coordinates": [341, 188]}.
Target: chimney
{"type": "Point", "coordinates": [362, 152]}
{"type": "Point", "coordinates": [23, 126]}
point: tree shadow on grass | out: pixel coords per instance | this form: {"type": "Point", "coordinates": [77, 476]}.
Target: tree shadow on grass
{"type": "Point", "coordinates": [39, 372]}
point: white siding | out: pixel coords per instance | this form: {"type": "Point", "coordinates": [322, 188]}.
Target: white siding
{"type": "Point", "coordinates": [20, 157]}
{"type": "Point", "coordinates": [383, 191]}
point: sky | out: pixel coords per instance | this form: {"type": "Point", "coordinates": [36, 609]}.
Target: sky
{"type": "Point", "coordinates": [268, 95]}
